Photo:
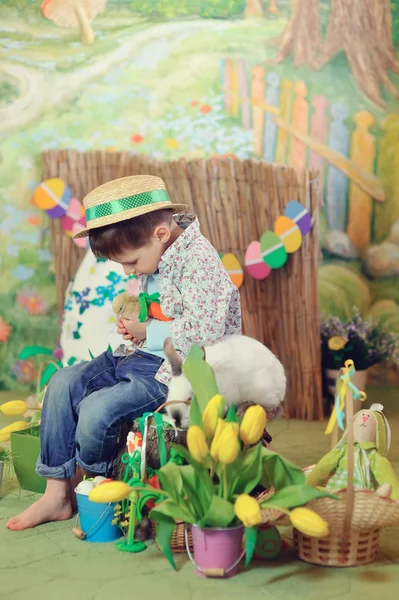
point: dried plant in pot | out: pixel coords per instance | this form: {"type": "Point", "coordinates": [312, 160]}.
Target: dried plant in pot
{"type": "Point", "coordinates": [5, 461]}
{"type": "Point", "coordinates": [365, 341]}
{"type": "Point", "coordinates": [368, 499]}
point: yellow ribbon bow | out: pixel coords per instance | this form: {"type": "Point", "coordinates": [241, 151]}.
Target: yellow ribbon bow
{"type": "Point", "coordinates": [344, 382]}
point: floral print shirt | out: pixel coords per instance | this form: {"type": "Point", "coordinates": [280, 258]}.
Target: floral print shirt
{"type": "Point", "coordinates": [196, 292]}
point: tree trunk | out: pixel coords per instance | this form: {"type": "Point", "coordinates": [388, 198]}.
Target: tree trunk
{"type": "Point", "coordinates": [302, 37]}
{"type": "Point", "coordinates": [86, 30]}
{"type": "Point", "coordinates": [272, 9]}
{"type": "Point", "coordinates": [254, 8]}
{"type": "Point", "coordinates": [362, 29]}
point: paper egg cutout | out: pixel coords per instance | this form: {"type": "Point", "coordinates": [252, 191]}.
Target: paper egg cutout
{"type": "Point", "coordinates": [268, 544]}
{"type": "Point", "coordinates": [80, 242]}
{"type": "Point", "coordinates": [53, 196]}
{"type": "Point", "coordinates": [273, 251]}
{"type": "Point", "coordinates": [233, 268]}
{"type": "Point", "coordinates": [289, 233]}
{"type": "Point", "coordinates": [254, 263]}
{"type": "Point", "coordinates": [74, 214]}
{"type": "Point", "coordinates": [298, 213]}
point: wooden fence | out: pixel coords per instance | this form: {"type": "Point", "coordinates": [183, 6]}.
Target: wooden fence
{"type": "Point", "coordinates": [291, 128]}
{"type": "Point", "coordinates": [236, 201]}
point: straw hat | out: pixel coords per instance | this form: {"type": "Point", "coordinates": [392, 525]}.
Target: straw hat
{"type": "Point", "coordinates": [124, 199]}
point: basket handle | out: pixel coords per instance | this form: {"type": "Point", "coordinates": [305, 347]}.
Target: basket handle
{"type": "Point", "coordinates": [170, 403]}
{"type": "Point", "coordinates": [350, 494]}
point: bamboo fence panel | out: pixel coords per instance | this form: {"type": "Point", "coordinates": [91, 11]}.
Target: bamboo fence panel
{"type": "Point", "coordinates": [236, 201]}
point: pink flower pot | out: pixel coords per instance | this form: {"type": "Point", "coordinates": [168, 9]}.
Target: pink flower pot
{"type": "Point", "coordinates": [217, 552]}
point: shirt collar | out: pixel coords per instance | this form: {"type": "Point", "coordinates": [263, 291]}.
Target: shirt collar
{"type": "Point", "coordinates": [190, 224]}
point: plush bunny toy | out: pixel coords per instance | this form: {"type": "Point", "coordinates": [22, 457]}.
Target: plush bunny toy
{"type": "Point", "coordinates": [245, 371]}
{"type": "Point", "coordinates": [372, 439]}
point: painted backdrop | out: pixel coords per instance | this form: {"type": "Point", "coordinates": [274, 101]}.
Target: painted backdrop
{"type": "Point", "coordinates": [308, 82]}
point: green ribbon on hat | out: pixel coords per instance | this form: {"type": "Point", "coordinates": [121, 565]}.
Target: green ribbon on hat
{"type": "Point", "coordinates": [116, 206]}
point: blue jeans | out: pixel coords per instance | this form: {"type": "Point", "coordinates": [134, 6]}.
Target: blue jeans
{"type": "Point", "coordinates": [84, 406]}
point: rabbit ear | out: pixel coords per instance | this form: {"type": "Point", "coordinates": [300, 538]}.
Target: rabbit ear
{"type": "Point", "coordinates": [172, 356]}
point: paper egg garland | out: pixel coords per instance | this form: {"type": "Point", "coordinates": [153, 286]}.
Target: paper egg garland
{"type": "Point", "coordinates": [273, 251]}
{"type": "Point", "coordinates": [254, 262]}
{"type": "Point", "coordinates": [274, 246]}
{"type": "Point", "coordinates": [53, 196]}
{"type": "Point", "coordinates": [298, 213]}
{"type": "Point", "coordinates": [289, 233]}
{"type": "Point", "coordinates": [233, 268]}
{"type": "Point", "coordinates": [74, 214]}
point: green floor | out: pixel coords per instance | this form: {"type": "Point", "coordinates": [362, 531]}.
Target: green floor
{"type": "Point", "coordinates": [49, 562]}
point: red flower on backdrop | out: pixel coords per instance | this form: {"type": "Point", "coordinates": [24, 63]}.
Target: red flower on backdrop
{"type": "Point", "coordinates": [31, 302]}
{"type": "Point", "coordinates": [5, 330]}
{"type": "Point", "coordinates": [25, 371]}
{"type": "Point", "coordinates": [205, 109]}
{"type": "Point", "coordinates": [137, 138]}
{"type": "Point", "coordinates": [34, 220]}
{"type": "Point", "coordinates": [194, 103]}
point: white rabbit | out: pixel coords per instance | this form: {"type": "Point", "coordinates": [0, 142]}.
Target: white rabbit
{"type": "Point", "coordinates": [245, 371]}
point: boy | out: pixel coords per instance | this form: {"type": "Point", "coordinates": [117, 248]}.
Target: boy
{"type": "Point", "coordinates": [130, 221]}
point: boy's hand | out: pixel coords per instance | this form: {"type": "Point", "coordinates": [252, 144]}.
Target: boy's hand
{"type": "Point", "coordinates": [132, 329]}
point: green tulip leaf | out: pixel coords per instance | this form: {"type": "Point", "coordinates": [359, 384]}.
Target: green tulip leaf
{"type": "Point", "coordinates": [220, 513]}
{"type": "Point", "coordinates": [178, 512]}
{"type": "Point", "coordinates": [251, 536]}
{"type": "Point", "coordinates": [200, 375]}
{"type": "Point", "coordinates": [171, 481]}
{"type": "Point", "coordinates": [278, 472]}
{"type": "Point", "coordinates": [195, 493]}
{"type": "Point", "coordinates": [294, 496]}
{"type": "Point", "coordinates": [231, 416]}
{"type": "Point", "coordinates": [195, 413]}
{"type": "Point", "coordinates": [248, 471]}
{"type": "Point", "coordinates": [165, 529]}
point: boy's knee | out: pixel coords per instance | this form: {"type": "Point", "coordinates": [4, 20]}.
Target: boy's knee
{"type": "Point", "coordinates": [62, 378]}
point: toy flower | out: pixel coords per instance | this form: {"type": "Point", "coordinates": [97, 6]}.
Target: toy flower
{"type": "Point", "coordinates": [253, 425]}
{"type": "Point", "coordinates": [212, 412]}
{"type": "Point", "coordinates": [196, 443]}
{"type": "Point", "coordinates": [5, 330]}
{"type": "Point", "coordinates": [6, 432]}
{"type": "Point", "coordinates": [248, 510]}
{"type": "Point", "coordinates": [14, 408]}
{"type": "Point", "coordinates": [114, 491]}
{"type": "Point", "coordinates": [309, 522]}
{"type": "Point", "coordinates": [337, 343]}
{"type": "Point", "coordinates": [224, 448]}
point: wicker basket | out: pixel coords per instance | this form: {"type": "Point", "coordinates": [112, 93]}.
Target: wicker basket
{"type": "Point", "coordinates": [178, 541]}
{"type": "Point", "coordinates": [354, 520]}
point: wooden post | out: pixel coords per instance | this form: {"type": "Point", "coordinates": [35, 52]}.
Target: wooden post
{"type": "Point", "coordinates": [319, 131]}
{"type": "Point", "coordinates": [300, 117]}
{"type": "Point", "coordinates": [244, 95]}
{"type": "Point", "coordinates": [272, 99]}
{"type": "Point", "coordinates": [258, 114]}
{"type": "Point", "coordinates": [337, 181]}
{"type": "Point", "coordinates": [361, 203]}
{"type": "Point", "coordinates": [285, 115]}
{"type": "Point", "coordinates": [387, 212]}
{"type": "Point", "coordinates": [235, 98]}
{"type": "Point", "coordinates": [227, 85]}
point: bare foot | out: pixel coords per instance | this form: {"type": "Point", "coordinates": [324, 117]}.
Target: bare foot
{"type": "Point", "coordinates": [54, 505]}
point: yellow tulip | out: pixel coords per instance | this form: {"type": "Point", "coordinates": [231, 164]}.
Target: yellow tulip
{"type": "Point", "coordinates": [224, 448]}
{"type": "Point", "coordinates": [253, 425]}
{"type": "Point", "coordinates": [113, 491]}
{"type": "Point", "coordinates": [248, 510]}
{"type": "Point", "coordinates": [309, 522]}
{"type": "Point", "coordinates": [196, 443]}
{"type": "Point", "coordinates": [6, 432]}
{"type": "Point", "coordinates": [212, 412]}
{"type": "Point", "coordinates": [337, 343]}
{"type": "Point", "coordinates": [14, 408]}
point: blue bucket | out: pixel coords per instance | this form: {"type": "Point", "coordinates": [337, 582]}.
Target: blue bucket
{"type": "Point", "coordinates": [96, 520]}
